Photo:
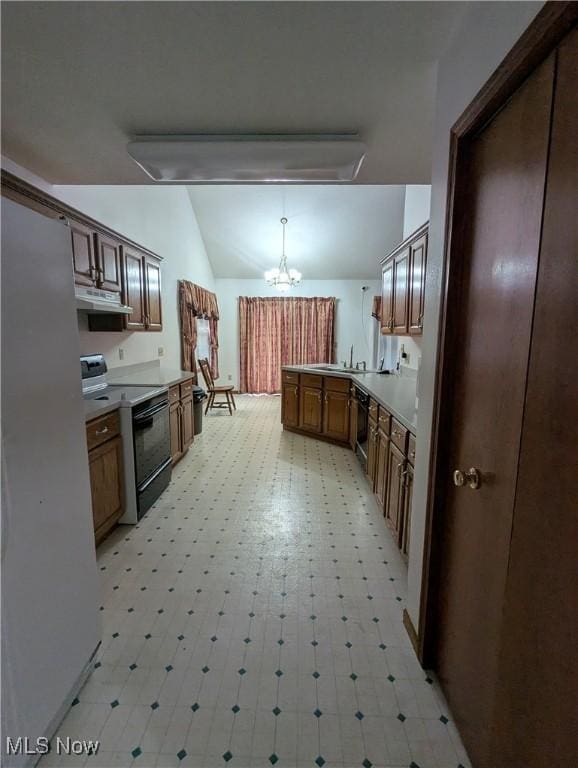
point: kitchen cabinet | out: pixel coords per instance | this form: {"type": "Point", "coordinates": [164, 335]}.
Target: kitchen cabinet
{"type": "Point", "coordinates": [105, 467]}
{"type": "Point", "coordinates": [310, 409]}
{"type": "Point", "coordinates": [290, 405]}
{"type": "Point", "coordinates": [83, 255]}
{"type": "Point", "coordinates": [417, 285]}
{"type": "Point", "coordinates": [372, 444]}
{"type": "Point", "coordinates": [181, 418]}
{"type": "Point", "coordinates": [134, 289]}
{"type": "Point", "coordinates": [336, 415]}
{"type": "Point", "coordinates": [353, 419]}
{"type": "Point", "coordinates": [395, 489]}
{"type": "Point", "coordinates": [381, 467]}
{"type": "Point", "coordinates": [152, 293]}
{"type": "Point", "coordinates": [108, 263]}
{"type": "Point", "coordinates": [406, 510]}
{"type": "Point", "coordinates": [403, 286]}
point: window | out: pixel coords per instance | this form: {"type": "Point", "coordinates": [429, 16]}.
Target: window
{"type": "Point", "coordinates": [203, 350]}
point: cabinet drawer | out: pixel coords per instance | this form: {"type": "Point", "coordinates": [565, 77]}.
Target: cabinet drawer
{"type": "Point", "coordinates": [373, 409]}
{"type": "Point", "coordinates": [289, 377]}
{"type": "Point", "coordinates": [310, 380]}
{"type": "Point", "coordinates": [411, 449]}
{"type": "Point", "coordinates": [398, 435]}
{"type": "Point", "coordinates": [335, 384]}
{"type": "Point", "coordinates": [187, 388]}
{"type": "Point", "coordinates": [384, 420]}
{"type": "Point", "coordinates": [102, 429]}
{"type": "Point", "coordinates": [174, 394]}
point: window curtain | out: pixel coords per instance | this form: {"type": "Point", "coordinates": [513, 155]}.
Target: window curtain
{"type": "Point", "coordinates": [282, 331]}
{"type": "Point", "coordinates": [195, 301]}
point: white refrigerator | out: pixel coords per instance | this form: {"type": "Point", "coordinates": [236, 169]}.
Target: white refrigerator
{"type": "Point", "coordinates": [50, 621]}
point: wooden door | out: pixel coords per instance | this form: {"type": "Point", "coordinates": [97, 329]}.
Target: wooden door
{"type": "Point", "coordinates": [394, 493]}
{"type": "Point", "coordinates": [290, 405]}
{"type": "Point", "coordinates": [406, 511]}
{"type": "Point", "coordinates": [417, 285]}
{"type": "Point", "coordinates": [336, 416]}
{"type": "Point", "coordinates": [187, 429]}
{"type": "Point", "coordinates": [108, 263]}
{"type": "Point", "coordinates": [310, 409]}
{"type": "Point", "coordinates": [176, 431]}
{"type": "Point", "coordinates": [381, 467]}
{"type": "Point", "coordinates": [503, 195]}
{"type": "Point", "coordinates": [536, 715]}
{"type": "Point", "coordinates": [154, 319]}
{"type": "Point", "coordinates": [83, 260]}
{"type": "Point", "coordinates": [387, 297]}
{"type": "Point", "coordinates": [371, 452]}
{"type": "Point", "coordinates": [106, 487]}
{"type": "Point", "coordinates": [400, 291]}
{"type": "Point", "coordinates": [133, 288]}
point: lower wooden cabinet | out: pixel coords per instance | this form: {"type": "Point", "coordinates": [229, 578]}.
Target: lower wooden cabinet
{"type": "Point", "coordinates": [290, 405]}
{"type": "Point", "coordinates": [336, 415]}
{"type": "Point", "coordinates": [395, 487]}
{"type": "Point", "coordinates": [105, 467]}
{"type": "Point", "coordinates": [181, 419]}
{"type": "Point", "coordinates": [372, 446]}
{"type": "Point", "coordinates": [311, 409]}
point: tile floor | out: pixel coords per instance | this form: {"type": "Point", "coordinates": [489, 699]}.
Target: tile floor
{"type": "Point", "coordinates": [254, 618]}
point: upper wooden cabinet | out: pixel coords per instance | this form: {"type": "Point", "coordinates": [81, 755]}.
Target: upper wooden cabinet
{"type": "Point", "coordinates": [152, 292]}
{"type": "Point", "coordinates": [134, 288]}
{"type": "Point", "coordinates": [83, 256]}
{"type": "Point", "coordinates": [403, 286]}
{"type": "Point", "coordinates": [417, 284]}
{"type": "Point", "coordinates": [108, 263]}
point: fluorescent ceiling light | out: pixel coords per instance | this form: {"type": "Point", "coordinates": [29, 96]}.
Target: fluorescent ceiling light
{"type": "Point", "coordinates": [250, 158]}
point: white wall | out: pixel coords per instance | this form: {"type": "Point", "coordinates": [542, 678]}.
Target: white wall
{"type": "Point", "coordinates": [160, 219]}
{"type": "Point", "coordinates": [349, 328]}
{"type": "Point", "coordinates": [486, 33]}
{"type": "Point", "coordinates": [416, 207]}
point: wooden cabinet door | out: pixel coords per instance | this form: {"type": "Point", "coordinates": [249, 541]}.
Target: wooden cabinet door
{"type": "Point", "coordinates": [152, 275]}
{"type": "Point", "coordinates": [387, 297]}
{"type": "Point", "coordinates": [394, 493]}
{"type": "Point", "coordinates": [108, 263]}
{"type": "Point", "coordinates": [105, 465]}
{"type": "Point", "coordinates": [406, 515]}
{"type": "Point", "coordinates": [401, 291]}
{"type": "Point", "coordinates": [133, 288]}
{"type": "Point", "coordinates": [381, 466]}
{"type": "Point", "coordinates": [371, 452]}
{"type": "Point", "coordinates": [290, 405]}
{"type": "Point", "coordinates": [175, 430]}
{"type": "Point", "coordinates": [187, 430]}
{"type": "Point", "coordinates": [417, 285]}
{"type": "Point", "coordinates": [336, 416]}
{"type": "Point", "coordinates": [83, 260]}
{"type": "Point", "coordinates": [310, 409]}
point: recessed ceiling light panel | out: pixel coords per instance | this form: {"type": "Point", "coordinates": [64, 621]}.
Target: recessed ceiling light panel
{"type": "Point", "coordinates": [249, 158]}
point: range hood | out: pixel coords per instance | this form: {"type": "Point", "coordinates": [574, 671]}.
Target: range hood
{"type": "Point", "coordinates": [95, 300]}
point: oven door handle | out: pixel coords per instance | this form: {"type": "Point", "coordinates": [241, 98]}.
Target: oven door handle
{"type": "Point", "coordinates": [150, 412]}
{"type": "Point", "coordinates": [154, 476]}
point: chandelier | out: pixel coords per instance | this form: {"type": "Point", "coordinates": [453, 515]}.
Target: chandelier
{"type": "Point", "coordinates": [281, 277]}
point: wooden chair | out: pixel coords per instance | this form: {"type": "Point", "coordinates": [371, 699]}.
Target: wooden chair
{"type": "Point", "coordinates": [213, 390]}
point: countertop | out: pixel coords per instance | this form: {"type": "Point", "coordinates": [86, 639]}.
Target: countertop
{"type": "Point", "coordinates": [154, 376]}
{"type": "Point", "coordinates": [126, 395]}
{"type": "Point", "coordinates": [95, 408]}
{"type": "Point", "coordinates": [396, 393]}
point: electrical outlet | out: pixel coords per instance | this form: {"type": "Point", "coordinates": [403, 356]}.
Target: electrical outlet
{"type": "Point", "coordinates": [161, 351]}
{"type": "Point", "coordinates": [230, 377]}
{"type": "Point", "coordinates": [120, 353]}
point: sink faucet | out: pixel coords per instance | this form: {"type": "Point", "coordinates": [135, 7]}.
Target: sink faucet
{"type": "Point", "coordinates": [351, 357]}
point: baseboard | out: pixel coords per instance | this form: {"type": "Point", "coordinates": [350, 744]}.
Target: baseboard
{"type": "Point", "coordinates": [412, 634]}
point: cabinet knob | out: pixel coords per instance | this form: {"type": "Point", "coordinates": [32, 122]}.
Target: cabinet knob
{"type": "Point", "coordinates": [102, 431]}
{"type": "Point", "coordinates": [471, 477]}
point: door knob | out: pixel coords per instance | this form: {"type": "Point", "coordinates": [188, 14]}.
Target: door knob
{"type": "Point", "coordinates": [472, 478]}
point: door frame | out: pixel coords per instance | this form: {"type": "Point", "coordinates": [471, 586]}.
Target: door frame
{"type": "Point", "coordinates": [543, 35]}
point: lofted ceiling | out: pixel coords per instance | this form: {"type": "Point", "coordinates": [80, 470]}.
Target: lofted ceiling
{"type": "Point", "coordinates": [333, 232]}
{"type": "Point", "coordinates": [79, 79]}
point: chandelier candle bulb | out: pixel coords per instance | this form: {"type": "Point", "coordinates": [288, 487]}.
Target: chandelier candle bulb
{"type": "Point", "coordinates": [281, 277]}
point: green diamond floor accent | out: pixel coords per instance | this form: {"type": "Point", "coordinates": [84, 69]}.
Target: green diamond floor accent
{"type": "Point", "coordinates": [155, 705]}
{"type": "Point", "coordinates": [276, 711]}
{"type": "Point", "coordinates": [391, 678]}
{"type": "Point", "coordinates": [359, 715]}
{"type": "Point", "coordinates": [242, 671]}
{"type": "Point", "coordinates": [182, 754]}
{"type": "Point", "coordinates": [279, 673]}
{"type": "Point", "coordinates": [320, 761]}
{"type": "Point", "coordinates": [136, 752]}
{"type": "Point", "coordinates": [401, 717]}
{"type": "Point", "coordinates": [114, 703]}
{"type": "Point", "coordinates": [235, 709]}
{"type": "Point", "coordinates": [194, 706]}
{"type": "Point", "coordinates": [316, 675]}
{"type": "Point", "coordinates": [444, 720]}
{"type": "Point", "coordinates": [273, 758]}
{"type": "Point", "coordinates": [317, 713]}
{"type": "Point", "coordinates": [227, 756]}
{"type": "Point", "coordinates": [366, 763]}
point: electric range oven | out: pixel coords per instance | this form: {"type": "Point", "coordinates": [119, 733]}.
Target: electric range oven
{"type": "Point", "coordinates": [362, 425]}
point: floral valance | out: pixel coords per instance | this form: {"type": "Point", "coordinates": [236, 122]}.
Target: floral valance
{"type": "Point", "coordinates": [199, 301]}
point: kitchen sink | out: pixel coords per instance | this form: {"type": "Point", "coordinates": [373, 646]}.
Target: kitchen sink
{"type": "Point", "coordinates": [337, 369]}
